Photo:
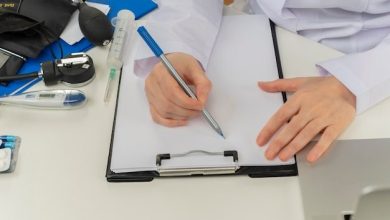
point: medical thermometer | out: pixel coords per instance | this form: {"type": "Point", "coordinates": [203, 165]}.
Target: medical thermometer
{"type": "Point", "coordinates": [47, 99]}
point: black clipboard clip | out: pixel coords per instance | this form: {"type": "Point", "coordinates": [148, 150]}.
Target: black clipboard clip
{"type": "Point", "coordinates": [195, 171]}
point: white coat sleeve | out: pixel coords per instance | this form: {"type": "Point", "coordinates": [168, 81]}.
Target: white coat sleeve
{"type": "Point", "coordinates": [187, 26]}
{"type": "Point", "coordinates": [366, 74]}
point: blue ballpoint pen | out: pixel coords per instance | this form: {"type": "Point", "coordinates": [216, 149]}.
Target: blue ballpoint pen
{"type": "Point", "coordinates": [159, 53]}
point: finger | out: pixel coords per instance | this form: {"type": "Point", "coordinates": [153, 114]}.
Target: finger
{"type": "Point", "coordinates": [329, 135]}
{"type": "Point", "coordinates": [169, 109]}
{"type": "Point", "coordinates": [287, 134]}
{"type": "Point", "coordinates": [165, 107]}
{"type": "Point", "coordinates": [163, 121]}
{"type": "Point", "coordinates": [313, 128]}
{"type": "Point", "coordinates": [175, 94]}
{"type": "Point", "coordinates": [202, 84]}
{"type": "Point", "coordinates": [203, 91]}
{"type": "Point", "coordinates": [288, 110]}
{"type": "Point", "coordinates": [286, 85]}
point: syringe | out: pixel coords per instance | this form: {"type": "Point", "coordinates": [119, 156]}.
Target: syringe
{"type": "Point", "coordinates": [124, 25]}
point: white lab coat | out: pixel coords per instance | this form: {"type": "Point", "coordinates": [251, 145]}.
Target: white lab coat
{"type": "Point", "coordinates": [360, 28]}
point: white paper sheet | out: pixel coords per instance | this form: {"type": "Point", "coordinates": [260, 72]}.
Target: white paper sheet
{"type": "Point", "coordinates": [236, 102]}
{"type": "Point", "coordinates": [72, 33]}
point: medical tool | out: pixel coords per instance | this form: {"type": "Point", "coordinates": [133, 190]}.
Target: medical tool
{"type": "Point", "coordinates": [5, 159]}
{"type": "Point", "coordinates": [159, 53]}
{"type": "Point", "coordinates": [94, 24]}
{"type": "Point", "coordinates": [47, 99]}
{"type": "Point", "coordinates": [5, 144]}
{"type": "Point", "coordinates": [8, 138]}
{"type": "Point", "coordinates": [9, 148]}
{"type": "Point", "coordinates": [27, 27]}
{"type": "Point", "coordinates": [75, 70]}
{"type": "Point", "coordinates": [124, 23]}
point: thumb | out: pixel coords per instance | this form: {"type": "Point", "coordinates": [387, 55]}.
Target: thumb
{"type": "Point", "coordinates": [283, 85]}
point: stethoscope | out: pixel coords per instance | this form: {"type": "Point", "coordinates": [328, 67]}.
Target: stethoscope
{"type": "Point", "coordinates": [76, 69]}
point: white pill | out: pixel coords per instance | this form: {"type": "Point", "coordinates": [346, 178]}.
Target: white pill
{"type": "Point", "coordinates": [2, 164]}
{"type": "Point", "coordinates": [6, 161]}
{"type": "Point", "coordinates": [3, 154]}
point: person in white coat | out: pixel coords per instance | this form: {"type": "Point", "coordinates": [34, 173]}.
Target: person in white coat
{"type": "Point", "coordinates": [187, 29]}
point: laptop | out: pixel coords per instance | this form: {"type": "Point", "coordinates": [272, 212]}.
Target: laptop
{"type": "Point", "coordinates": [332, 187]}
{"type": "Point", "coordinates": [374, 203]}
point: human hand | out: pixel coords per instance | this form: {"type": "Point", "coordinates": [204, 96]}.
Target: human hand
{"type": "Point", "coordinates": [169, 104]}
{"type": "Point", "coordinates": [318, 105]}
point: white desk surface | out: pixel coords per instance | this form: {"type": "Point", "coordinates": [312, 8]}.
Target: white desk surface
{"type": "Point", "coordinates": [63, 158]}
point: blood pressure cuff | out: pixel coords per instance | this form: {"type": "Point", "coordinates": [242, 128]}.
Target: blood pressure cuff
{"type": "Point", "coordinates": [27, 27]}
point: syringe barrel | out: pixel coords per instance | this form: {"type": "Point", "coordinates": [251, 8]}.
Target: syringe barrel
{"type": "Point", "coordinates": [115, 63]}
{"type": "Point", "coordinates": [124, 25]}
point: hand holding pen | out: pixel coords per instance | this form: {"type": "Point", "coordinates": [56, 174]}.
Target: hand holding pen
{"type": "Point", "coordinates": [169, 105]}
{"type": "Point", "coordinates": [171, 100]}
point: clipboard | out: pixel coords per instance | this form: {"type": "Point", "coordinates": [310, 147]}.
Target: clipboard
{"type": "Point", "coordinates": [232, 169]}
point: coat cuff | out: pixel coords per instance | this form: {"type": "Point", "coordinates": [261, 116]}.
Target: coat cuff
{"type": "Point", "coordinates": [346, 76]}
{"type": "Point", "coordinates": [365, 74]}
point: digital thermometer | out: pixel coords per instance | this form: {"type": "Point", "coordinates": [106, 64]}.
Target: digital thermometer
{"type": "Point", "coordinates": [47, 99]}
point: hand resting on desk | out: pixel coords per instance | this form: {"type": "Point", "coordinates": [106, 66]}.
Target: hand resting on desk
{"type": "Point", "coordinates": [318, 105]}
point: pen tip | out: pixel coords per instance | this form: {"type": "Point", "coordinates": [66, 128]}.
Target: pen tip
{"type": "Point", "coordinates": [222, 135]}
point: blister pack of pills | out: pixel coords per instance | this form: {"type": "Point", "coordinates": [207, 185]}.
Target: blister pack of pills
{"type": "Point", "coordinates": [9, 148]}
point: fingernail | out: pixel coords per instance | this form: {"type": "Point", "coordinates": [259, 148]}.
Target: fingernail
{"type": "Point", "coordinates": [199, 106]}
{"type": "Point", "coordinates": [269, 155]}
{"type": "Point", "coordinates": [312, 158]}
{"type": "Point", "coordinates": [285, 156]}
{"type": "Point", "coordinates": [202, 100]}
{"type": "Point", "coordinates": [260, 140]}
